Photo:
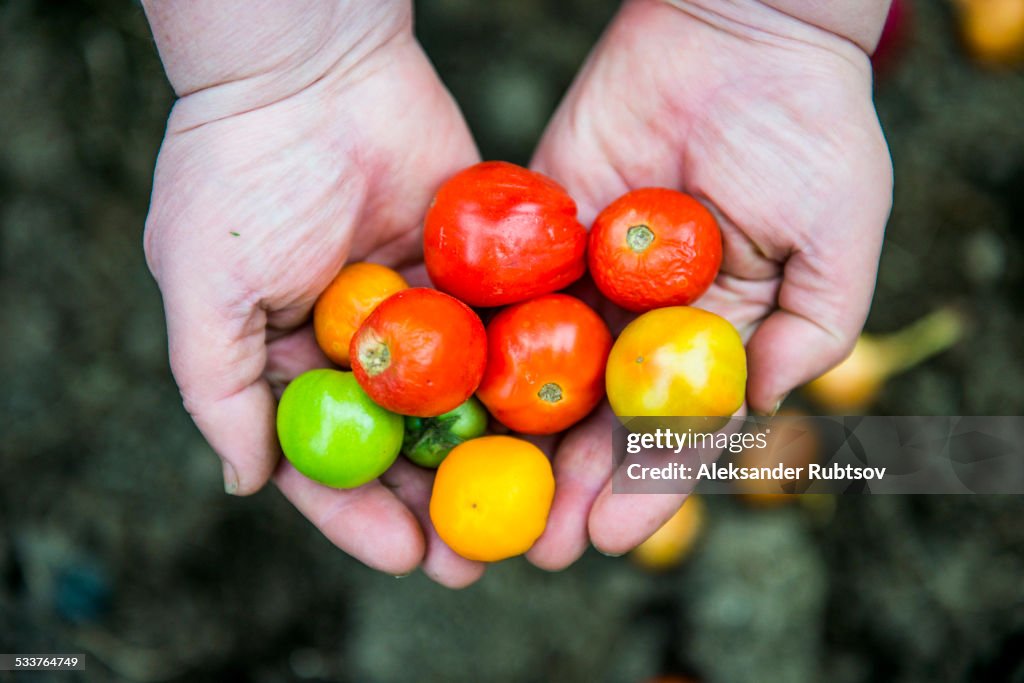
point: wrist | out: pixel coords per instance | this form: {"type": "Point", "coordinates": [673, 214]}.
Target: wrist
{"type": "Point", "coordinates": [859, 22]}
{"type": "Point", "coordinates": [854, 23]}
{"type": "Point", "coordinates": [231, 56]}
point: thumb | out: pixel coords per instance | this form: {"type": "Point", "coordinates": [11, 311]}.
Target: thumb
{"type": "Point", "coordinates": [822, 306]}
{"type": "Point", "coordinates": [218, 353]}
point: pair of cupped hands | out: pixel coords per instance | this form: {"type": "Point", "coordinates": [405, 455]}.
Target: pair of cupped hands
{"type": "Point", "coordinates": [317, 140]}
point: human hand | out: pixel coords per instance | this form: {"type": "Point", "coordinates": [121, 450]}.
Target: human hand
{"type": "Point", "coordinates": [769, 121]}
{"type": "Point", "coordinates": [271, 176]}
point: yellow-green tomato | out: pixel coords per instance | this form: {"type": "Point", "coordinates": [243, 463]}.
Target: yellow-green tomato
{"type": "Point", "coordinates": [333, 433]}
{"type": "Point", "coordinates": [677, 361]}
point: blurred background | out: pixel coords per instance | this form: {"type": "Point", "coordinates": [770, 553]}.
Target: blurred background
{"type": "Point", "coordinates": [115, 537]}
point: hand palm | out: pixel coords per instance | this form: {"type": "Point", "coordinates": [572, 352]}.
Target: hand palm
{"type": "Point", "coordinates": [252, 216]}
{"type": "Point", "coordinates": [777, 135]}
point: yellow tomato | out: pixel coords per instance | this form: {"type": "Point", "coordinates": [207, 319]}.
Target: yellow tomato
{"type": "Point", "coordinates": [993, 29]}
{"type": "Point", "coordinates": [347, 302]}
{"type": "Point", "coordinates": [791, 443]}
{"type": "Point", "coordinates": [492, 497]}
{"type": "Point", "coordinates": [669, 545]}
{"type": "Point", "coordinates": [677, 361]}
{"type": "Point", "coordinates": [852, 386]}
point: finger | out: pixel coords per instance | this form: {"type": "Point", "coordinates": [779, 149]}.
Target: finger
{"type": "Point", "coordinates": [827, 281]}
{"type": "Point", "coordinates": [582, 465]}
{"type": "Point", "coordinates": [291, 355]}
{"type": "Point", "coordinates": [217, 354]}
{"type": "Point", "coordinates": [412, 485]}
{"type": "Point", "coordinates": [369, 523]}
{"type": "Point", "coordinates": [621, 521]}
{"type": "Point", "coordinates": [822, 306]}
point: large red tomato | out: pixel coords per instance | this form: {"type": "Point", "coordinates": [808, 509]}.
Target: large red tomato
{"type": "Point", "coordinates": [420, 353]}
{"type": "Point", "coordinates": [497, 233]}
{"type": "Point", "coordinates": [545, 364]}
{"type": "Point", "coordinates": [654, 247]}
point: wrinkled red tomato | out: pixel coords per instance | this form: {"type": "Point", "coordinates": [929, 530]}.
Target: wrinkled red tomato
{"type": "Point", "coordinates": [545, 364]}
{"type": "Point", "coordinates": [654, 247]}
{"type": "Point", "coordinates": [497, 233]}
{"type": "Point", "coordinates": [419, 353]}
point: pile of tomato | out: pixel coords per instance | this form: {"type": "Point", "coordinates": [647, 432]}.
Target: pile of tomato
{"type": "Point", "coordinates": [502, 241]}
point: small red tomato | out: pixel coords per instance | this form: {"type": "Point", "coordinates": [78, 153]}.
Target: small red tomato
{"type": "Point", "coordinates": [497, 233]}
{"type": "Point", "coordinates": [654, 247]}
{"type": "Point", "coordinates": [545, 364]}
{"type": "Point", "coordinates": [420, 353]}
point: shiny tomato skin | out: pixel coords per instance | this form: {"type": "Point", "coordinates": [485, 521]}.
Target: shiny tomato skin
{"type": "Point", "coordinates": [677, 361]}
{"type": "Point", "coordinates": [545, 364]}
{"type": "Point", "coordinates": [420, 353]}
{"type": "Point", "coordinates": [332, 432]}
{"type": "Point", "coordinates": [654, 247]}
{"type": "Point", "coordinates": [497, 234]}
{"type": "Point", "coordinates": [347, 301]}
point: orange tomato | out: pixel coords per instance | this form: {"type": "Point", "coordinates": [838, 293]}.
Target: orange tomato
{"type": "Point", "coordinates": [346, 303]}
{"type": "Point", "coordinates": [792, 442]}
{"type": "Point", "coordinates": [993, 29]}
{"type": "Point", "coordinates": [545, 364]}
{"type": "Point", "coordinates": [654, 247]}
{"type": "Point", "coordinates": [852, 386]}
{"type": "Point", "coordinates": [420, 353]}
{"type": "Point", "coordinates": [670, 544]}
{"type": "Point", "coordinates": [491, 497]}
{"type": "Point", "coordinates": [677, 361]}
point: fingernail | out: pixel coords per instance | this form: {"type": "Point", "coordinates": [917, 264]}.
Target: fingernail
{"type": "Point", "coordinates": [778, 404]}
{"type": "Point", "coordinates": [609, 554]}
{"type": "Point", "coordinates": [230, 479]}
{"type": "Point", "coordinates": [401, 576]}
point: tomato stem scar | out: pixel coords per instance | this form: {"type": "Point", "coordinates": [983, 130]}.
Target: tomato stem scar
{"type": "Point", "coordinates": [375, 358]}
{"type": "Point", "coordinates": [550, 392]}
{"type": "Point", "coordinates": [639, 237]}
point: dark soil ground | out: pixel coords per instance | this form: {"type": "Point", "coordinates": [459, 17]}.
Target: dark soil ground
{"type": "Point", "coordinates": [117, 542]}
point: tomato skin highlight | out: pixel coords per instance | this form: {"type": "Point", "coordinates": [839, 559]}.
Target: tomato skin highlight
{"type": "Point", "coordinates": [497, 234]}
{"type": "Point", "coordinates": [545, 364]}
{"type": "Point", "coordinates": [420, 353]}
{"type": "Point", "coordinates": [332, 432]}
{"type": "Point", "coordinates": [492, 497]}
{"type": "Point", "coordinates": [677, 361]}
{"type": "Point", "coordinates": [654, 247]}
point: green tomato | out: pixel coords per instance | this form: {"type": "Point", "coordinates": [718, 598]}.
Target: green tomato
{"type": "Point", "coordinates": [428, 440]}
{"type": "Point", "coordinates": [333, 433]}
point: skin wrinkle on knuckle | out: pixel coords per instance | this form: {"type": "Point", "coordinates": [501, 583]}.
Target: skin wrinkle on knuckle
{"type": "Point", "coordinates": [199, 379]}
{"type": "Point", "coordinates": [336, 508]}
{"type": "Point", "coordinates": [585, 463]}
{"type": "Point", "coordinates": [197, 405]}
